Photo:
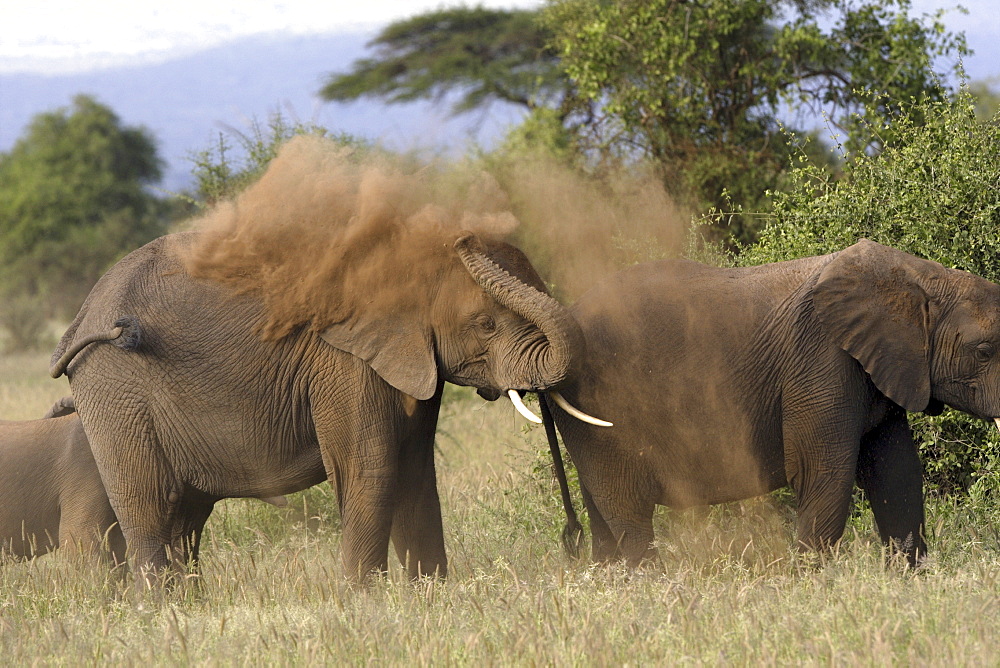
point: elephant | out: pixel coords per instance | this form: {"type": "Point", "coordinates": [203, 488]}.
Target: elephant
{"type": "Point", "coordinates": [51, 493]}
{"type": "Point", "coordinates": [728, 383]}
{"type": "Point", "coordinates": [186, 402]}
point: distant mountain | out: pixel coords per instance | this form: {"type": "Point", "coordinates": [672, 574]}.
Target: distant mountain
{"type": "Point", "coordinates": [188, 101]}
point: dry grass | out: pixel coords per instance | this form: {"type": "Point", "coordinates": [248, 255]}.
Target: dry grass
{"type": "Point", "coordinates": [731, 591]}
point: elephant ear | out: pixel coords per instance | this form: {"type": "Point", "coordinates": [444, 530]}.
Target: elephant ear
{"type": "Point", "coordinates": [870, 302]}
{"type": "Point", "coordinates": [398, 347]}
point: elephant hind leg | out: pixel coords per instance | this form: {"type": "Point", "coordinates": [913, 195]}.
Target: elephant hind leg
{"type": "Point", "coordinates": [142, 488]}
{"type": "Point", "coordinates": [891, 476]}
{"type": "Point", "coordinates": [190, 514]}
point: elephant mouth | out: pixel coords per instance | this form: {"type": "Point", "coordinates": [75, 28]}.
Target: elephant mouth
{"type": "Point", "coordinates": [489, 394]}
{"type": "Point", "coordinates": [515, 398]}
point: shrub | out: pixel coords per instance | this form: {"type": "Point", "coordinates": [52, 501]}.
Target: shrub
{"type": "Point", "coordinates": [933, 192]}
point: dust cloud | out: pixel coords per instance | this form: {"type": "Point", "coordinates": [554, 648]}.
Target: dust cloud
{"type": "Point", "coordinates": [327, 228]}
{"type": "Point", "coordinates": [578, 230]}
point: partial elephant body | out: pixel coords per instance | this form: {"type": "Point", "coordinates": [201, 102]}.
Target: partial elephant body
{"type": "Point", "coordinates": [201, 407]}
{"type": "Point", "coordinates": [729, 383]}
{"type": "Point", "coordinates": [51, 493]}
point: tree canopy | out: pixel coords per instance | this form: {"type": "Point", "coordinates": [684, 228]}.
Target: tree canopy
{"type": "Point", "coordinates": [700, 89]}
{"type": "Point", "coordinates": [480, 54]}
{"type": "Point", "coordinates": [73, 198]}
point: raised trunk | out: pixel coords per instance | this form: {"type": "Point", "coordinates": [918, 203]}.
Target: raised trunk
{"type": "Point", "coordinates": [563, 337]}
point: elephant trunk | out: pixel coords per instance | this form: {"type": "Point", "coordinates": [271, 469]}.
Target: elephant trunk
{"type": "Point", "coordinates": [563, 337]}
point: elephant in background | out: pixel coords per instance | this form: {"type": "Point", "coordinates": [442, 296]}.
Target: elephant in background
{"type": "Point", "coordinates": [51, 493]}
{"type": "Point", "coordinates": [729, 383]}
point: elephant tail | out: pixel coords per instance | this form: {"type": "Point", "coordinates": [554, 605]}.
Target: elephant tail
{"type": "Point", "coordinates": [126, 334]}
{"type": "Point", "coordinates": [572, 535]}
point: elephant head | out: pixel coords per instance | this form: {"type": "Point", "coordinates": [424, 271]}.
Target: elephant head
{"type": "Point", "coordinates": [925, 334]}
{"type": "Point", "coordinates": [487, 322]}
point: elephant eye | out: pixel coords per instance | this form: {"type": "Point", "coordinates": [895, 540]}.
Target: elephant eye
{"type": "Point", "coordinates": [486, 323]}
{"type": "Point", "coordinates": [985, 352]}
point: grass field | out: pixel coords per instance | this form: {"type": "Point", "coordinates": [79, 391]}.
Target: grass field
{"type": "Point", "coordinates": [732, 591]}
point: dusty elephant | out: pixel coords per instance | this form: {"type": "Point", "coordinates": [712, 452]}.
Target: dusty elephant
{"type": "Point", "coordinates": [190, 403]}
{"type": "Point", "coordinates": [729, 383]}
{"type": "Point", "coordinates": [50, 490]}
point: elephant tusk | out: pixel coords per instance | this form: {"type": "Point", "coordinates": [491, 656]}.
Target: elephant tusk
{"type": "Point", "coordinates": [997, 420]}
{"type": "Point", "coordinates": [515, 399]}
{"type": "Point", "coordinates": [580, 415]}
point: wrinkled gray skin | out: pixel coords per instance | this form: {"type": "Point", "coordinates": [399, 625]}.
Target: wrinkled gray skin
{"type": "Point", "coordinates": [204, 409]}
{"type": "Point", "coordinates": [50, 490]}
{"type": "Point", "coordinates": [729, 383]}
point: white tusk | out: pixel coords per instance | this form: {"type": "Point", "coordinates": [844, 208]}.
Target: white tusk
{"type": "Point", "coordinates": [580, 415]}
{"type": "Point", "coordinates": [997, 420]}
{"type": "Point", "coordinates": [515, 398]}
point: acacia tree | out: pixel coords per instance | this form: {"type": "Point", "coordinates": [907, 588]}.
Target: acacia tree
{"type": "Point", "coordinates": [482, 55]}
{"type": "Point", "coordinates": [73, 198]}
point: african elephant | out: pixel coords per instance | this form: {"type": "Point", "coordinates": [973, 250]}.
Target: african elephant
{"type": "Point", "coordinates": [51, 493]}
{"type": "Point", "coordinates": [50, 490]}
{"type": "Point", "coordinates": [189, 403]}
{"type": "Point", "coordinates": [729, 383]}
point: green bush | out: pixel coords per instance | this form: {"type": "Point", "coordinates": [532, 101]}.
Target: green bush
{"type": "Point", "coordinates": [933, 192]}
{"type": "Point", "coordinates": [224, 170]}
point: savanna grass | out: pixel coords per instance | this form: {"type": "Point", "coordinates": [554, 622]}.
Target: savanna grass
{"type": "Point", "coordinates": [731, 589]}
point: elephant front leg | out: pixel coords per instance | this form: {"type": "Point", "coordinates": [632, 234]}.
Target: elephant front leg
{"type": "Point", "coordinates": [821, 472]}
{"type": "Point", "coordinates": [417, 532]}
{"type": "Point", "coordinates": [366, 500]}
{"type": "Point", "coordinates": [890, 473]}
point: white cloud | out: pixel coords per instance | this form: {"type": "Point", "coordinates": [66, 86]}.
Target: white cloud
{"type": "Point", "coordinates": [69, 35]}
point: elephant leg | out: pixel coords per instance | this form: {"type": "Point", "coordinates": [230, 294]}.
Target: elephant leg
{"type": "Point", "coordinates": [417, 533]}
{"type": "Point", "coordinates": [379, 457]}
{"type": "Point", "coordinates": [603, 544]}
{"type": "Point", "coordinates": [190, 516]}
{"type": "Point", "coordinates": [142, 489]}
{"type": "Point", "coordinates": [628, 529]}
{"type": "Point", "coordinates": [88, 525]}
{"type": "Point", "coordinates": [890, 473]}
{"type": "Point", "coordinates": [822, 476]}
{"type": "Point", "coordinates": [366, 510]}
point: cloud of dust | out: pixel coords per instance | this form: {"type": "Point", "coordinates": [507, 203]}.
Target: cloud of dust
{"type": "Point", "coordinates": [578, 230]}
{"type": "Point", "coordinates": [325, 226]}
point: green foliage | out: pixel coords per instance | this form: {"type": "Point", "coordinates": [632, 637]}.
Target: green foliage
{"type": "Point", "coordinates": [74, 197]}
{"type": "Point", "coordinates": [987, 98]}
{"type": "Point", "coordinates": [934, 192]}
{"type": "Point", "coordinates": [224, 170]}
{"type": "Point", "coordinates": [696, 87]}
{"type": "Point", "coordinates": [485, 54]}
